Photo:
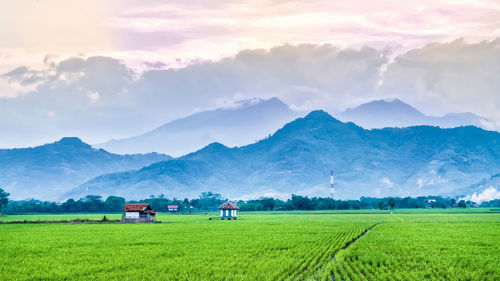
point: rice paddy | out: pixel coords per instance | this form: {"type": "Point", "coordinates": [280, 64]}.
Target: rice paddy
{"type": "Point", "coordinates": [258, 246]}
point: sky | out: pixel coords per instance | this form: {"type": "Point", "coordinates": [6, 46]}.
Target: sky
{"type": "Point", "coordinates": [112, 69]}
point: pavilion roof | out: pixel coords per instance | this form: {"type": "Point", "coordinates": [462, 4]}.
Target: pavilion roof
{"type": "Point", "coordinates": [228, 206]}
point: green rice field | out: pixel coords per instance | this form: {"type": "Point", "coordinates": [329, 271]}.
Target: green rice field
{"type": "Point", "coordinates": [357, 245]}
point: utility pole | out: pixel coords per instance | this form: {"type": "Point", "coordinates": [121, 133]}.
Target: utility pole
{"type": "Point", "coordinates": [332, 191]}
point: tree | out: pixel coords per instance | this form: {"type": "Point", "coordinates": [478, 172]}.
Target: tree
{"type": "Point", "coordinates": [301, 203]}
{"type": "Point", "coordinates": [93, 203]}
{"type": "Point", "coordinates": [69, 206]}
{"type": "Point", "coordinates": [268, 204]}
{"type": "Point", "coordinates": [114, 203]}
{"type": "Point", "coordinates": [4, 199]}
{"type": "Point", "coordinates": [391, 202]}
{"type": "Point", "coordinates": [381, 205]}
{"type": "Point", "coordinates": [209, 200]}
{"type": "Point", "coordinates": [461, 204]}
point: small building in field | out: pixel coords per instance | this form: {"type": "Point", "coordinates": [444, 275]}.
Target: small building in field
{"type": "Point", "coordinates": [138, 213]}
{"type": "Point", "coordinates": [228, 211]}
{"type": "Point", "coordinates": [173, 208]}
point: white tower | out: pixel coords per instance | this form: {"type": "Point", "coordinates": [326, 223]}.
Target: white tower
{"type": "Point", "coordinates": [332, 191]}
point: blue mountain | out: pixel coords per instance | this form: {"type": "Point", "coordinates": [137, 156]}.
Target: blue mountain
{"type": "Point", "coordinates": [48, 171]}
{"type": "Point", "coordinates": [297, 158]}
{"type": "Point", "coordinates": [395, 113]}
{"type": "Point", "coordinates": [242, 123]}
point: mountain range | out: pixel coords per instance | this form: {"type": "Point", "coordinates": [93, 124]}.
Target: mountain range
{"type": "Point", "coordinates": [48, 171]}
{"type": "Point", "coordinates": [297, 159]}
{"type": "Point", "coordinates": [242, 123]}
{"type": "Point", "coordinates": [395, 113]}
{"type": "Point", "coordinates": [247, 121]}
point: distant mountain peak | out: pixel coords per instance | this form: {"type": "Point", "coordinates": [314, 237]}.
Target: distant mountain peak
{"type": "Point", "coordinates": [215, 146]}
{"type": "Point", "coordinates": [235, 123]}
{"type": "Point", "coordinates": [397, 113]}
{"type": "Point", "coordinates": [315, 119]}
{"type": "Point", "coordinates": [276, 101]}
{"type": "Point", "coordinates": [243, 103]}
{"type": "Point", "coordinates": [391, 105]}
{"type": "Point", "coordinates": [391, 100]}
{"type": "Point", "coordinates": [320, 115]}
{"type": "Point", "coordinates": [50, 170]}
{"type": "Point", "coordinates": [71, 141]}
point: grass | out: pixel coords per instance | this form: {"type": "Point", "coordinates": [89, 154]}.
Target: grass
{"type": "Point", "coordinates": [403, 245]}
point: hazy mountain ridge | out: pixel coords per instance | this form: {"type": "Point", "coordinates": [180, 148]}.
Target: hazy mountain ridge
{"type": "Point", "coordinates": [395, 113]}
{"type": "Point", "coordinates": [47, 171]}
{"type": "Point", "coordinates": [240, 124]}
{"type": "Point", "coordinates": [410, 161]}
{"type": "Point", "coordinates": [247, 121]}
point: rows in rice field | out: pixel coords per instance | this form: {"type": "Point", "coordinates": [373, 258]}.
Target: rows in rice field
{"type": "Point", "coordinates": [421, 251]}
{"type": "Point", "coordinates": [259, 247]}
{"type": "Point", "coordinates": [323, 252]}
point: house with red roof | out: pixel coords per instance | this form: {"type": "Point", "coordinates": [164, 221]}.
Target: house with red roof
{"type": "Point", "coordinates": [138, 213]}
{"type": "Point", "coordinates": [228, 211]}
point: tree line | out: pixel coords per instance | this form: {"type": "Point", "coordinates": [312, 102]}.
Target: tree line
{"type": "Point", "coordinates": [297, 202]}
{"type": "Point", "coordinates": [209, 201]}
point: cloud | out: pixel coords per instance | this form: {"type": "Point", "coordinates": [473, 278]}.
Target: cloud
{"type": "Point", "coordinates": [488, 194]}
{"type": "Point", "coordinates": [296, 74]}
{"type": "Point", "coordinates": [155, 65]}
{"type": "Point", "coordinates": [101, 74]}
{"type": "Point", "coordinates": [24, 76]}
{"type": "Point", "coordinates": [230, 25]}
{"type": "Point", "coordinates": [386, 181]}
{"type": "Point", "coordinates": [93, 96]}
{"type": "Point", "coordinates": [237, 101]}
{"type": "Point", "coordinates": [73, 97]}
{"type": "Point", "coordinates": [172, 30]}
{"type": "Point", "coordinates": [458, 76]}
{"type": "Point", "coordinates": [7, 90]}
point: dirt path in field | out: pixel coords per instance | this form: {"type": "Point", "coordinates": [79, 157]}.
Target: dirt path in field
{"type": "Point", "coordinates": [355, 239]}
{"type": "Point", "coordinates": [318, 268]}
{"type": "Point", "coordinates": [334, 258]}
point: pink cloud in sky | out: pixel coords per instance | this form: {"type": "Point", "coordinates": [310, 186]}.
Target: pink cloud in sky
{"type": "Point", "coordinates": [138, 30]}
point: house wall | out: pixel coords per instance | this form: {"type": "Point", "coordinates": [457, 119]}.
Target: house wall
{"type": "Point", "coordinates": [147, 219]}
{"type": "Point", "coordinates": [132, 215]}
{"type": "Point", "coordinates": [227, 213]}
